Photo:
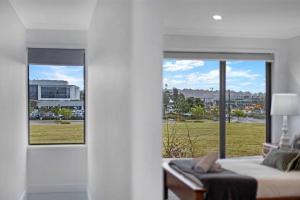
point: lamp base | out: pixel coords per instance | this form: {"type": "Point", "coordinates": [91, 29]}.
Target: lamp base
{"type": "Point", "coordinates": [285, 138]}
{"type": "Point", "coordinates": [284, 143]}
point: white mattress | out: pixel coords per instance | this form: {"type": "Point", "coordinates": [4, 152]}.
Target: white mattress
{"type": "Point", "coordinates": [271, 182]}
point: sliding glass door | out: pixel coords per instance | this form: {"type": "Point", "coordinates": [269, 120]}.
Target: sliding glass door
{"type": "Point", "coordinates": [215, 105]}
{"type": "Point", "coordinates": [245, 107]}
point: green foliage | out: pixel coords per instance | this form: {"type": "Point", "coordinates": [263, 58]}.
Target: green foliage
{"type": "Point", "coordinates": [67, 113]}
{"type": "Point", "coordinates": [239, 114]}
{"type": "Point", "coordinates": [198, 111]}
{"type": "Point", "coordinates": [166, 100]}
{"type": "Point", "coordinates": [32, 105]}
{"type": "Point", "coordinates": [215, 113]}
{"type": "Point", "coordinates": [192, 101]}
{"type": "Point", "coordinates": [181, 105]}
{"type": "Point", "coordinates": [55, 110]}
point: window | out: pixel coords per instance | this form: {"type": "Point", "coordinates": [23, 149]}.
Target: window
{"type": "Point", "coordinates": [214, 103]}
{"type": "Point", "coordinates": [56, 96]}
{"type": "Point", "coordinates": [191, 107]}
{"type": "Point", "coordinates": [245, 107]}
{"type": "Point", "coordinates": [56, 92]}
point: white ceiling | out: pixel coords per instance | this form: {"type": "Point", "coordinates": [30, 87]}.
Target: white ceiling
{"type": "Point", "coordinates": [55, 14]}
{"type": "Point", "coordinates": [241, 18]}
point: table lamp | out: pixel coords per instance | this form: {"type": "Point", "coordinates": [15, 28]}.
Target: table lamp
{"type": "Point", "coordinates": [285, 104]}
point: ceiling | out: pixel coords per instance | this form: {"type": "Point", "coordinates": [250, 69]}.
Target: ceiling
{"type": "Point", "coordinates": [241, 18]}
{"type": "Point", "coordinates": [55, 14]}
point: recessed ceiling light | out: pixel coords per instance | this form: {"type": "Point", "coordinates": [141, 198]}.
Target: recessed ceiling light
{"type": "Point", "coordinates": [217, 17]}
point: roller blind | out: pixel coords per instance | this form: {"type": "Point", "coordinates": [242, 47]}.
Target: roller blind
{"type": "Point", "coordinates": [70, 57]}
{"type": "Point", "coordinates": [219, 56]}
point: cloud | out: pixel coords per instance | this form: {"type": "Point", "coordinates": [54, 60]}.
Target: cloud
{"type": "Point", "coordinates": [172, 82]}
{"type": "Point", "coordinates": [231, 73]}
{"type": "Point", "coordinates": [74, 75]}
{"type": "Point", "coordinates": [212, 77]}
{"type": "Point", "coordinates": [182, 65]}
{"type": "Point", "coordinates": [246, 83]}
{"type": "Point", "coordinates": [60, 76]}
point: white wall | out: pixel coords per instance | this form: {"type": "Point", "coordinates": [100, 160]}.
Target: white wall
{"type": "Point", "coordinates": [57, 168]}
{"type": "Point", "coordinates": [109, 142]}
{"type": "Point", "coordinates": [224, 44]}
{"type": "Point", "coordinates": [12, 104]}
{"type": "Point", "coordinates": [146, 99]}
{"type": "Point", "coordinates": [124, 104]}
{"type": "Point", "coordinates": [57, 39]}
{"type": "Point", "coordinates": [293, 80]}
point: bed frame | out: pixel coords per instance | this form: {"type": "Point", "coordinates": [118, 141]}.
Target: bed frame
{"type": "Point", "coordinates": [186, 189]}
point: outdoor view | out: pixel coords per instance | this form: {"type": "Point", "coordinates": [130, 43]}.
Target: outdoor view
{"type": "Point", "coordinates": [56, 104]}
{"type": "Point", "coordinates": [191, 107]}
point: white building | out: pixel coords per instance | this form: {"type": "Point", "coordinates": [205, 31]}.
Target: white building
{"type": "Point", "coordinates": [51, 93]}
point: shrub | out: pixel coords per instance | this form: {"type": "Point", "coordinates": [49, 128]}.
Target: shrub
{"type": "Point", "coordinates": [198, 121]}
{"type": "Point", "coordinates": [65, 122]}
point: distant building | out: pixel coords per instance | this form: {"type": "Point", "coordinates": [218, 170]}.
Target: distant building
{"type": "Point", "coordinates": [53, 93]}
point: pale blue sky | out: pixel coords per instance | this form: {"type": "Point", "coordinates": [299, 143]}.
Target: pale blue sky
{"type": "Point", "coordinates": [204, 74]}
{"type": "Point", "coordinates": [73, 74]}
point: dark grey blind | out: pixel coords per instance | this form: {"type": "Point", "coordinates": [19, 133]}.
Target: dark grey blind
{"type": "Point", "coordinates": [72, 57]}
{"type": "Point", "coordinates": [219, 56]}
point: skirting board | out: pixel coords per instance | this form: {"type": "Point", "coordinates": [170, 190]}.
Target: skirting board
{"type": "Point", "coordinates": [34, 189]}
{"type": "Point", "coordinates": [23, 196]}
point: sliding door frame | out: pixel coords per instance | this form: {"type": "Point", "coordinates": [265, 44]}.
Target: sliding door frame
{"type": "Point", "coordinates": [222, 106]}
{"type": "Point", "coordinates": [268, 100]}
{"type": "Point", "coordinates": [222, 110]}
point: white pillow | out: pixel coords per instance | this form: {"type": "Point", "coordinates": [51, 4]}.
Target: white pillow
{"type": "Point", "coordinates": [204, 164]}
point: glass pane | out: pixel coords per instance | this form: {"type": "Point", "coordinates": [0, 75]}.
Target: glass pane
{"type": "Point", "coordinates": [56, 104]}
{"type": "Point", "coordinates": [190, 107]}
{"type": "Point", "coordinates": [245, 107]}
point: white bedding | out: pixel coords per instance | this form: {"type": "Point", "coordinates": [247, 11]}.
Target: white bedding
{"type": "Point", "coordinates": [271, 182]}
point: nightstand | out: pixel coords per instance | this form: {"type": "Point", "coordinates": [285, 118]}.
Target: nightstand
{"type": "Point", "coordinates": [267, 147]}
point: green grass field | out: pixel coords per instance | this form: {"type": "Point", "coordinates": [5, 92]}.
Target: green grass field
{"type": "Point", "coordinates": [57, 133]}
{"type": "Point", "coordinates": [242, 139]}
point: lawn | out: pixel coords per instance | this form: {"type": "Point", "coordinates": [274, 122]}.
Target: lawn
{"type": "Point", "coordinates": [51, 133]}
{"type": "Point", "coordinates": [193, 139]}
{"type": "Point", "coordinates": [243, 139]}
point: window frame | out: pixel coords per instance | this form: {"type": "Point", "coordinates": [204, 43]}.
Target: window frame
{"type": "Point", "coordinates": [222, 109]}
{"type": "Point", "coordinates": [84, 103]}
{"type": "Point", "coordinates": [223, 57]}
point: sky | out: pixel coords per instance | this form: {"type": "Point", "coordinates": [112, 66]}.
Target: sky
{"type": "Point", "coordinates": [204, 74]}
{"type": "Point", "coordinates": [73, 74]}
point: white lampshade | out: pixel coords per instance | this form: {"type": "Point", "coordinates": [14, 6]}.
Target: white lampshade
{"type": "Point", "coordinates": [285, 104]}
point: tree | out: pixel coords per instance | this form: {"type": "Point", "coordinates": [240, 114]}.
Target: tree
{"type": "Point", "coordinates": [198, 111]}
{"type": "Point", "coordinates": [181, 105]}
{"type": "Point", "coordinates": [166, 100]}
{"type": "Point", "coordinates": [175, 94]}
{"type": "Point", "coordinates": [215, 113]}
{"type": "Point", "coordinates": [239, 114]}
{"type": "Point", "coordinates": [32, 105]}
{"type": "Point", "coordinates": [55, 110]}
{"type": "Point", "coordinates": [199, 102]}
{"type": "Point", "coordinates": [191, 101]}
{"type": "Point", "coordinates": [67, 113]}
{"type": "Point", "coordinates": [82, 95]}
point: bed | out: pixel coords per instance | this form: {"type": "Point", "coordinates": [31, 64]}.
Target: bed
{"type": "Point", "coordinates": [272, 183]}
